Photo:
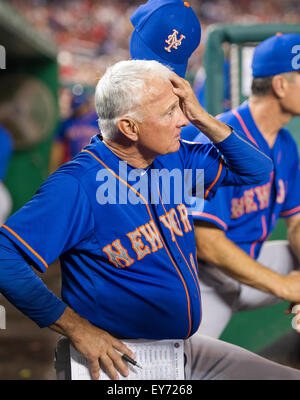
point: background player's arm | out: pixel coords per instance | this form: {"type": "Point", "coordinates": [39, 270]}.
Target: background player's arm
{"type": "Point", "coordinates": [293, 226]}
{"type": "Point", "coordinates": [214, 247]}
{"type": "Point", "coordinates": [56, 155]}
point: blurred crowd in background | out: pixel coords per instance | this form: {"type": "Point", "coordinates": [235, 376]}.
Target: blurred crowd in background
{"type": "Point", "coordinates": [92, 34]}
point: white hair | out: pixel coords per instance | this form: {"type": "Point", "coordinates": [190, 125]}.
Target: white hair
{"type": "Point", "coordinates": [120, 91]}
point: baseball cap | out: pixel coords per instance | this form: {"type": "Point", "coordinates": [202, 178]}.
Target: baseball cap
{"type": "Point", "coordinates": [276, 55]}
{"type": "Point", "coordinates": [167, 31]}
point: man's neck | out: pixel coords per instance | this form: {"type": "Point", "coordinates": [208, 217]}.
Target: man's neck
{"type": "Point", "coordinates": [130, 154]}
{"type": "Point", "coordinates": [268, 116]}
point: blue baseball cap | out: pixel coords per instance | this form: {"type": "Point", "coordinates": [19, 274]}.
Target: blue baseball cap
{"type": "Point", "coordinates": [167, 31]}
{"type": "Point", "coordinates": [276, 55]}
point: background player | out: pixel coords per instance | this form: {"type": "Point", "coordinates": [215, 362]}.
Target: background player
{"type": "Point", "coordinates": [232, 228]}
{"type": "Point", "coordinates": [76, 130]}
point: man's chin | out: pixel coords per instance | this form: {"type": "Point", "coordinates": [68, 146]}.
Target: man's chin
{"type": "Point", "coordinates": [172, 149]}
{"type": "Point", "coordinates": [176, 146]}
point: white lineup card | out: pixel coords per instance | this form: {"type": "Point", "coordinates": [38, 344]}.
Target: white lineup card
{"type": "Point", "coordinates": [160, 360]}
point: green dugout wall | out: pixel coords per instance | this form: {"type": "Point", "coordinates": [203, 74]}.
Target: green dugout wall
{"type": "Point", "coordinates": [28, 102]}
{"type": "Point", "coordinates": [250, 329]}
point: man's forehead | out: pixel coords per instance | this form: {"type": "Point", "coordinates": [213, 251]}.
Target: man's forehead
{"type": "Point", "coordinates": [158, 90]}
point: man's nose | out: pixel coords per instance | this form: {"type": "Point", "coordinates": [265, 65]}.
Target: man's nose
{"type": "Point", "coordinates": [183, 121]}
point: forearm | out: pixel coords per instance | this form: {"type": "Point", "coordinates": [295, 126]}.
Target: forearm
{"type": "Point", "coordinates": [70, 324]}
{"type": "Point", "coordinates": [230, 259]}
{"type": "Point", "coordinates": [294, 238]}
{"type": "Point", "coordinates": [215, 130]}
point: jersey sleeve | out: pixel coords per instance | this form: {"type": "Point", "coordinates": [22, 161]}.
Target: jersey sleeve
{"type": "Point", "coordinates": [6, 148]}
{"type": "Point", "coordinates": [217, 210]}
{"type": "Point", "coordinates": [24, 289]}
{"type": "Point", "coordinates": [233, 161]}
{"type": "Point", "coordinates": [207, 170]}
{"type": "Point", "coordinates": [57, 218]}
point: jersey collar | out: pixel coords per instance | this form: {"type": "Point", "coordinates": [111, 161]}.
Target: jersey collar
{"type": "Point", "coordinates": [248, 120]}
{"type": "Point", "coordinates": [106, 155]}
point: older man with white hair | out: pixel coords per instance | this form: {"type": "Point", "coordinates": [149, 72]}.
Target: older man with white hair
{"type": "Point", "coordinates": [128, 266]}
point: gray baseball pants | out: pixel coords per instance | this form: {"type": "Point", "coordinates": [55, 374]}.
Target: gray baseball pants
{"type": "Point", "coordinates": [222, 296]}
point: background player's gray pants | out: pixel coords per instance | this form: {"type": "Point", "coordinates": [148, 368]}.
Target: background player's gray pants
{"type": "Point", "coordinates": [222, 296]}
{"type": "Point", "coordinates": [206, 359]}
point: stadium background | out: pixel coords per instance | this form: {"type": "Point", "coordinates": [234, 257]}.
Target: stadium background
{"type": "Point", "coordinates": [51, 46]}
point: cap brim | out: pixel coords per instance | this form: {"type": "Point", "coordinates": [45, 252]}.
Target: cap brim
{"type": "Point", "coordinates": [140, 51]}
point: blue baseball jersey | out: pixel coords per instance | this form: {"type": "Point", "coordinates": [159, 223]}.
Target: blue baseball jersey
{"type": "Point", "coordinates": [128, 265]}
{"type": "Point", "coordinates": [6, 147]}
{"type": "Point", "coordinates": [126, 243]}
{"type": "Point", "coordinates": [76, 132]}
{"type": "Point", "coordinates": [249, 213]}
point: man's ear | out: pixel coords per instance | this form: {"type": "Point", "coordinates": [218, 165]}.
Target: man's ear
{"type": "Point", "coordinates": [279, 85]}
{"type": "Point", "coordinates": [129, 128]}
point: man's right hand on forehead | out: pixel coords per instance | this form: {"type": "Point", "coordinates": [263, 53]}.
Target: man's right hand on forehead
{"type": "Point", "coordinates": [188, 100]}
{"type": "Point", "coordinates": [215, 130]}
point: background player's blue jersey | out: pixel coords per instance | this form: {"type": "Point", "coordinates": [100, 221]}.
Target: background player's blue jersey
{"type": "Point", "coordinates": [248, 214]}
{"type": "Point", "coordinates": [6, 147]}
{"type": "Point", "coordinates": [76, 132]}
